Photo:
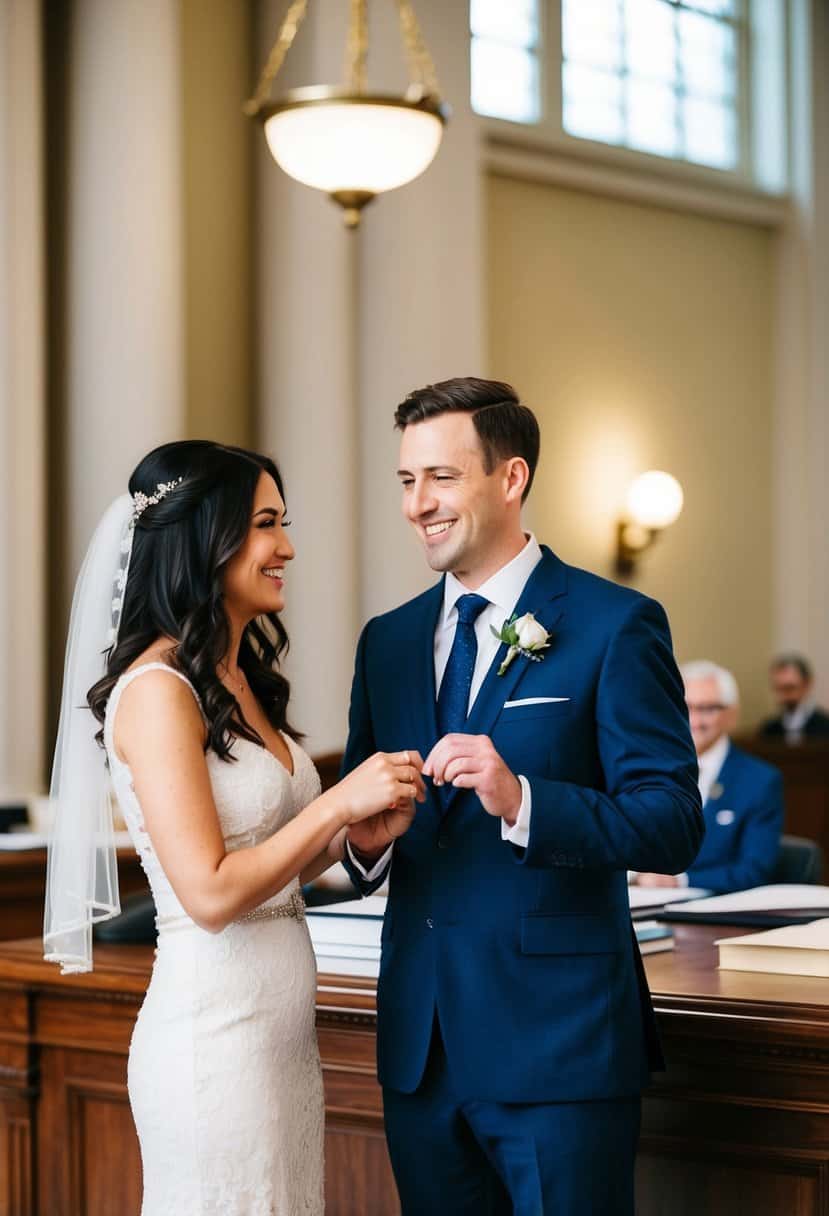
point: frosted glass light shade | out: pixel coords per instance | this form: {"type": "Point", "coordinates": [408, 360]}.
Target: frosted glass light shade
{"type": "Point", "coordinates": [369, 144]}
{"type": "Point", "coordinates": [655, 499]}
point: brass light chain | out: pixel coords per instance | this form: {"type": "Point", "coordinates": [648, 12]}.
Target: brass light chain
{"type": "Point", "coordinates": [356, 48]}
{"type": "Point", "coordinates": [421, 65]}
{"type": "Point", "coordinates": [284, 42]}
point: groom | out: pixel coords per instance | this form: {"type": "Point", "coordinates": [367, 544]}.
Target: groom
{"type": "Point", "coordinates": [515, 1030]}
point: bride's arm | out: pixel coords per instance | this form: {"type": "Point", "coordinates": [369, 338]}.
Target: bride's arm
{"type": "Point", "coordinates": [331, 855]}
{"type": "Point", "coordinates": [160, 735]}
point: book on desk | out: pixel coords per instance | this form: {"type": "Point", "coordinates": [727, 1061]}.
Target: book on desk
{"type": "Point", "coordinates": [792, 950]}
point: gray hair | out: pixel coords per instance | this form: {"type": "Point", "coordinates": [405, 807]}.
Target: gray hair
{"type": "Point", "coordinates": [703, 669]}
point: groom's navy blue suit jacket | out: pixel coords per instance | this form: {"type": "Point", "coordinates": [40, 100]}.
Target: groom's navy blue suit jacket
{"type": "Point", "coordinates": [527, 955]}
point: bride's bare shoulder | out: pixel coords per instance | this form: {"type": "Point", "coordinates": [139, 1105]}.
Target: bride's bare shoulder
{"type": "Point", "coordinates": [156, 706]}
{"type": "Point", "coordinates": [161, 650]}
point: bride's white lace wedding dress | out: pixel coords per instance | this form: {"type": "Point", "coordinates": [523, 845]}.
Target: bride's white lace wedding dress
{"type": "Point", "coordinates": [224, 1073]}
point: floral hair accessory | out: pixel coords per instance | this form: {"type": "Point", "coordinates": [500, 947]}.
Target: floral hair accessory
{"type": "Point", "coordinates": [523, 635]}
{"type": "Point", "coordinates": [142, 501]}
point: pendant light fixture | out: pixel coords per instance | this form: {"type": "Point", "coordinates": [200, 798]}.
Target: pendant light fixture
{"type": "Point", "coordinates": [346, 141]}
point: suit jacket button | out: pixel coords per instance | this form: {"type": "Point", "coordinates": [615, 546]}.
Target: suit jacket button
{"type": "Point", "coordinates": [443, 841]}
{"type": "Point", "coordinates": [430, 924]}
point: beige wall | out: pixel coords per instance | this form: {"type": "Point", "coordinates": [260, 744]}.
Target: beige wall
{"type": "Point", "coordinates": [217, 74]}
{"type": "Point", "coordinates": [643, 339]}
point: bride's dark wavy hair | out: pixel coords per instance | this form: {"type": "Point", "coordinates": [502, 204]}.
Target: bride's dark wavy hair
{"type": "Point", "coordinates": [181, 548]}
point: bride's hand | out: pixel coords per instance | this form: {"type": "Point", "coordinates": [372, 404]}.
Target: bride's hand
{"type": "Point", "coordinates": [372, 835]}
{"type": "Point", "coordinates": [386, 782]}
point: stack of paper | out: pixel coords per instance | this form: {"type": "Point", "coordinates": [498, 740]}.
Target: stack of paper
{"type": "Point", "coordinates": [346, 936]}
{"type": "Point", "coordinates": [778, 897]}
{"type": "Point", "coordinates": [646, 901]}
{"type": "Point", "coordinates": [793, 950]}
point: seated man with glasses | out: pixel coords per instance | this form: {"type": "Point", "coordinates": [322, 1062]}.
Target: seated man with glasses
{"type": "Point", "coordinates": [742, 797]}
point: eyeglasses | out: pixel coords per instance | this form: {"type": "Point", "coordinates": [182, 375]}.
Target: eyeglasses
{"type": "Point", "coordinates": [707, 710]}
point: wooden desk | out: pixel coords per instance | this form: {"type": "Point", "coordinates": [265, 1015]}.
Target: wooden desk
{"type": "Point", "coordinates": [740, 1123]}
{"type": "Point", "coordinates": [23, 889]}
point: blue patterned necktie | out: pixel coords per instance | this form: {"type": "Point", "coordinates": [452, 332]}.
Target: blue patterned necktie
{"type": "Point", "coordinates": [453, 698]}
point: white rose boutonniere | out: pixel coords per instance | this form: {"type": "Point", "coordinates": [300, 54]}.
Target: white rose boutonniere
{"type": "Point", "coordinates": [523, 635]}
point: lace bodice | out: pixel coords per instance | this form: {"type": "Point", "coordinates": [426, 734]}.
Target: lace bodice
{"type": "Point", "coordinates": [255, 795]}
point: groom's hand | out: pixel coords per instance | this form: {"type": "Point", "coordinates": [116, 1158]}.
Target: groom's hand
{"type": "Point", "coordinates": [470, 762]}
{"type": "Point", "coordinates": [371, 837]}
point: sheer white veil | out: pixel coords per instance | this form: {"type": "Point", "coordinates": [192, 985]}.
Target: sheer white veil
{"type": "Point", "coordinates": [82, 873]}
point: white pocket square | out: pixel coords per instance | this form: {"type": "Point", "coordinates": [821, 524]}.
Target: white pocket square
{"type": "Point", "coordinates": [534, 701]}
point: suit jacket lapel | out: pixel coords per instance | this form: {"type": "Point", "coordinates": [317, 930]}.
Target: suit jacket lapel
{"type": "Point", "coordinates": [721, 782]}
{"type": "Point", "coordinates": [541, 596]}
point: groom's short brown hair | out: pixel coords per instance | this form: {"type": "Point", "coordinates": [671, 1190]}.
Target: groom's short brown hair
{"type": "Point", "coordinates": [504, 426]}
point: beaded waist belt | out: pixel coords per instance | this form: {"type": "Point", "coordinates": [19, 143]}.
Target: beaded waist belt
{"type": "Point", "coordinates": [294, 906]}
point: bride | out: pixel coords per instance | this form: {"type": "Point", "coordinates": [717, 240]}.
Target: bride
{"type": "Point", "coordinates": [225, 811]}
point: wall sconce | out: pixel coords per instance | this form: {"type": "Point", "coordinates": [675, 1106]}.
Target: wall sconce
{"type": "Point", "coordinates": [654, 502]}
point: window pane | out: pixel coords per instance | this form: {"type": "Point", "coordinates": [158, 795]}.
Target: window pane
{"type": "Point", "coordinates": [708, 54]}
{"type": "Point", "coordinates": [514, 22]}
{"type": "Point", "coordinates": [504, 81]}
{"type": "Point", "coordinates": [650, 39]}
{"type": "Point", "coordinates": [592, 33]}
{"type": "Point", "coordinates": [710, 133]}
{"type": "Point", "coordinates": [720, 8]}
{"type": "Point", "coordinates": [652, 117]}
{"type": "Point", "coordinates": [592, 104]}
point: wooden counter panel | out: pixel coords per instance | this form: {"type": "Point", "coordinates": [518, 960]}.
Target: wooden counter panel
{"type": "Point", "coordinates": [739, 1123]}
{"type": "Point", "coordinates": [100, 1023]}
{"type": "Point", "coordinates": [23, 889]}
{"type": "Point", "coordinates": [17, 1156]}
{"type": "Point", "coordinates": [358, 1177]}
{"type": "Point", "coordinates": [679, 1182]}
{"type": "Point", "coordinates": [84, 1108]}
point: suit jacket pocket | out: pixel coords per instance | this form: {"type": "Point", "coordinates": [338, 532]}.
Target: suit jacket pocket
{"type": "Point", "coordinates": [568, 935]}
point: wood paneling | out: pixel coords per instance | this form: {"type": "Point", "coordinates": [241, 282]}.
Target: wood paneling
{"type": "Point", "coordinates": [805, 769]}
{"type": "Point", "coordinates": [23, 889]}
{"type": "Point", "coordinates": [738, 1123]}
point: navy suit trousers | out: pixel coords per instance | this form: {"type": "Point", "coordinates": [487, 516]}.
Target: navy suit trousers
{"type": "Point", "coordinates": [470, 1158]}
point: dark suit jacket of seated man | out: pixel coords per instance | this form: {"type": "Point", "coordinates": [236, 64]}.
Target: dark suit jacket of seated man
{"type": "Point", "coordinates": [743, 822]}
{"type": "Point", "coordinates": [742, 796]}
{"type": "Point", "coordinates": [815, 726]}
{"type": "Point", "coordinates": [515, 1028]}
{"type": "Point", "coordinates": [792, 682]}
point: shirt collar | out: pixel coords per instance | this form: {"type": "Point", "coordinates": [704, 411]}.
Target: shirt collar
{"type": "Point", "coordinates": [503, 588]}
{"type": "Point", "coordinates": [711, 762]}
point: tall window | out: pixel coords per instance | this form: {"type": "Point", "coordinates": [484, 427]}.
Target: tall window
{"type": "Point", "coordinates": [506, 77]}
{"type": "Point", "coordinates": [662, 76]}
{"type": "Point", "coordinates": [668, 77]}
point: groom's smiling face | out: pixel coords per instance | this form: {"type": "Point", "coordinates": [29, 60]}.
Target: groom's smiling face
{"type": "Point", "coordinates": [464, 517]}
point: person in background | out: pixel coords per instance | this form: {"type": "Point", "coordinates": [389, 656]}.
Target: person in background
{"type": "Point", "coordinates": [790, 678]}
{"type": "Point", "coordinates": [742, 797]}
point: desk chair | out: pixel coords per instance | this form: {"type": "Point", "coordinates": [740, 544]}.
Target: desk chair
{"type": "Point", "coordinates": [799, 861]}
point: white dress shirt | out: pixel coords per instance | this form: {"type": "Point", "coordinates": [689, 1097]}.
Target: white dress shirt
{"type": "Point", "coordinates": [795, 719]}
{"type": "Point", "coordinates": [710, 765]}
{"type": "Point", "coordinates": [503, 590]}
